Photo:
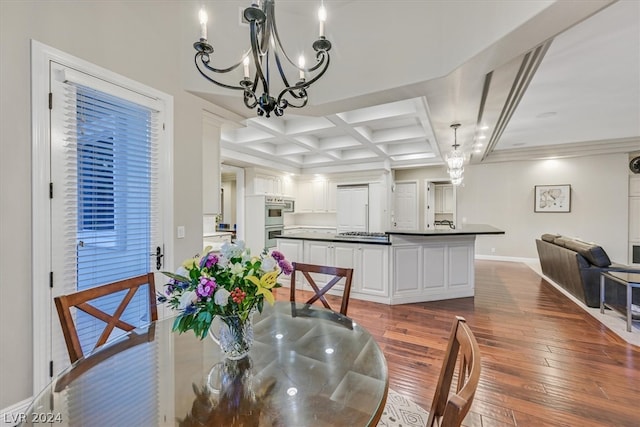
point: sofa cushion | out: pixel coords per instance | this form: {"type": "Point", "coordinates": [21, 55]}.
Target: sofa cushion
{"type": "Point", "coordinates": [593, 253]}
{"type": "Point", "coordinates": [562, 241]}
{"type": "Point", "coordinates": [549, 237]}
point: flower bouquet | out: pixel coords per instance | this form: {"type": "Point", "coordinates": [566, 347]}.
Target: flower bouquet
{"type": "Point", "coordinates": [231, 284]}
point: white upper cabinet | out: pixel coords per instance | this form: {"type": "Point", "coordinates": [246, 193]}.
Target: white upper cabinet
{"type": "Point", "coordinates": [259, 182]}
{"type": "Point", "coordinates": [318, 195]}
{"type": "Point", "coordinates": [444, 198]}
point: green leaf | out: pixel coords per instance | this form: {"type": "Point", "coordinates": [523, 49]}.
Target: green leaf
{"type": "Point", "coordinates": [177, 277]}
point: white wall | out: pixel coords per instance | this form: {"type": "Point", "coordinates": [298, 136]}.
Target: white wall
{"type": "Point", "coordinates": [140, 40]}
{"type": "Point", "coordinates": [229, 212]}
{"type": "Point", "coordinates": [501, 194]}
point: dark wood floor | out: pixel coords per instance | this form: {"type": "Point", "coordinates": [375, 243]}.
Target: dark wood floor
{"type": "Point", "coordinates": [545, 361]}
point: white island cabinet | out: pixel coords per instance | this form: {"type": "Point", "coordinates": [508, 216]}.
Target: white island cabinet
{"type": "Point", "coordinates": [433, 269]}
{"type": "Point", "coordinates": [409, 267]}
{"type": "Point", "coordinates": [370, 263]}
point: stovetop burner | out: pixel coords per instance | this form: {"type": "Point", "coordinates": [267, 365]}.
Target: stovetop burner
{"type": "Point", "coordinates": [364, 235]}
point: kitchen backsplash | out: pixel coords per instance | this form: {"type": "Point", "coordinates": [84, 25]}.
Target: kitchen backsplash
{"type": "Point", "coordinates": [311, 219]}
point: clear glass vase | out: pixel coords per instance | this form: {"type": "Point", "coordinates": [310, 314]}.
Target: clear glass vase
{"type": "Point", "coordinates": [234, 334]}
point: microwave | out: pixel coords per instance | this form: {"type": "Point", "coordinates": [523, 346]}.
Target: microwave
{"type": "Point", "coordinates": [289, 205]}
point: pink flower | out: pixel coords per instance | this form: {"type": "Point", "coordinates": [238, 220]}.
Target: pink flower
{"type": "Point", "coordinates": [206, 287]}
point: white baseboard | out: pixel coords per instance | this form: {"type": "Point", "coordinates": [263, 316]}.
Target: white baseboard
{"type": "Point", "coordinates": [613, 320]}
{"type": "Point", "coordinates": [506, 258]}
{"type": "Point", "coordinates": [14, 414]}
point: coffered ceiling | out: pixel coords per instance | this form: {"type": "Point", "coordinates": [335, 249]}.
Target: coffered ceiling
{"type": "Point", "coordinates": [563, 80]}
{"type": "Point", "coordinates": [392, 134]}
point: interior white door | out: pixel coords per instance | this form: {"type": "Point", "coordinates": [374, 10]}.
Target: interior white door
{"type": "Point", "coordinates": [405, 206]}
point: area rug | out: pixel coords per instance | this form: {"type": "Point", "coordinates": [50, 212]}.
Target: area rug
{"type": "Point", "coordinates": [402, 412]}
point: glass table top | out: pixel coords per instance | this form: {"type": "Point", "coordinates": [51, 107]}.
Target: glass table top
{"type": "Point", "coordinates": [307, 367]}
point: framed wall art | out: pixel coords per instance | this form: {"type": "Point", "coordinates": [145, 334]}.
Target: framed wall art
{"type": "Point", "coordinates": [552, 198]}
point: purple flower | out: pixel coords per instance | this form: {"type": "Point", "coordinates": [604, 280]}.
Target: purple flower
{"type": "Point", "coordinates": [206, 287]}
{"type": "Point", "coordinates": [212, 259]}
{"type": "Point", "coordinates": [277, 255]}
{"type": "Point", "coordinates": [190, 309]}
{"type": "Point", "coordinates": [286, 267]}
{"type": "Point", "coordinates": [169, 289]}
{"type": "Point", "coordinates": [208, 260]}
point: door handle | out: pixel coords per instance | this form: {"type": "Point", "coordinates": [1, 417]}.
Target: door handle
{"type": "Point", "coordinates": [159, 255]}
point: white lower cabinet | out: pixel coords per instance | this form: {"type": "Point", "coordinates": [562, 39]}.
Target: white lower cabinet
{"type": "Point", "coordinates": [412, 269]}
{"type": "Point", "coordinates": [433, 270]}
{"type": "Point", "coordinates": [373, 270]}
{"type": "Point", "coordinates": [293, 251]}
{"type": "Point", "coordinates": [370, 264]}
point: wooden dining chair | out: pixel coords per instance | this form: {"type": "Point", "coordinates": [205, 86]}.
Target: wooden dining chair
{"type": "Point", "coordinates": [451, 405]}
{"type": "Point", "coordinates": [144, 335]}
{"type": "Point", "coordinates": [80, 300]}
{"type": "Point", "coordinates": [338, 274]}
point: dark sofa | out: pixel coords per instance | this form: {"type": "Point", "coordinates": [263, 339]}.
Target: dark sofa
{"type": "Point", "coordinates": [576, 266]}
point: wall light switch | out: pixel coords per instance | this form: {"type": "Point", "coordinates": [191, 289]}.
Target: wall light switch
{"type": "Point", "coordinates": [181, 232]}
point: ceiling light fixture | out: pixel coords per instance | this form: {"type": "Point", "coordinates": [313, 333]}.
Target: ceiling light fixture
{"type": "Point", "coordinates": [455, 159]}
{"type": "Point", "coordinates": [265, 51]}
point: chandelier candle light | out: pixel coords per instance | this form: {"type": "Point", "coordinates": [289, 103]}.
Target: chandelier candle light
{"type": "Point", "coordinates": [455, 159]}
{"type": "Point", "coordinates": [265, 50]}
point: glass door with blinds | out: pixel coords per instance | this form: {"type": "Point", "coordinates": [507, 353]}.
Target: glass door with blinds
{"type": "Point", "coordinates": [105, 205]}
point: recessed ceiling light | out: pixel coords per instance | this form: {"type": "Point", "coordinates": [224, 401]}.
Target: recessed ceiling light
{"type": "Point", "coordinates": [484, 127]}
{"type": "Point", "coordinates": [482, 137]}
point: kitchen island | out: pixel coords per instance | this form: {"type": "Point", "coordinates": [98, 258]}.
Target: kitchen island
{"type": "Point", "coordinates": [397, 267]}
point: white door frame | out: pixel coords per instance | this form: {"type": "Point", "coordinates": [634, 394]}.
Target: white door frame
{"type": "Point", "coordinates": [433, 181]}
{"type": "Point", "coordinates": [41, 56]}
{"type": "Point", "coordinates": [239, 198]}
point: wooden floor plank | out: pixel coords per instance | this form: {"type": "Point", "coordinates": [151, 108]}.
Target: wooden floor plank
{"type": "Point", "coordinates": [546, 362]}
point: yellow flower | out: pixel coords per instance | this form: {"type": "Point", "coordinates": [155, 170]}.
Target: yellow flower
{"type": "Point", "coordinates": [190, 263]}
{"type": "Point", "coordinates": [264, 284]}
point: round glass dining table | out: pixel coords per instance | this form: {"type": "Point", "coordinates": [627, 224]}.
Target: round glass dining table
{"type": "Point", "coordinates": [308, 366]}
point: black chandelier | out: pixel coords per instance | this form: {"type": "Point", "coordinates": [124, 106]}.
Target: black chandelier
{"type": "Point", "coordinates": [266, 48]}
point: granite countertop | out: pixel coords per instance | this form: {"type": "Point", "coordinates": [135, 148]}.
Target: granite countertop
{"type": "Point", "coordinates": [331, 237]}
{"type": "Point", "coordinates": [467, 229]}
{"type": "Point", "coordinates": [217, 233]}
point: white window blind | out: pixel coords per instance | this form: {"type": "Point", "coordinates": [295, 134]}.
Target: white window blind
{"type": "Point", "coordinates": [105, 210]}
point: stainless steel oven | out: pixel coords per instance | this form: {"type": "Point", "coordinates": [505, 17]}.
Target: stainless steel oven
{"type": "Point", "coordinates": [274, 212]}
{"type": "Point", "coordinates": [270, 234]}
{"type": "Point", "coordinates": [289, 205]}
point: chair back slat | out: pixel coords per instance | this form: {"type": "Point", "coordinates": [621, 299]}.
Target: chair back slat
{"type": "Point", "coordinates": [450, 406]}
{"type": "Point", "coordinates": [81, 301]}
{"type": "Point", "coordinates": [338, 274]}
